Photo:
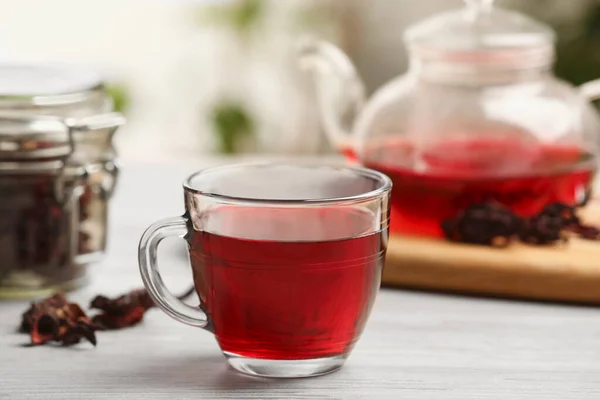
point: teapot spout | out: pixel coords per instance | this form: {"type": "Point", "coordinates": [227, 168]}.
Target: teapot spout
{"type": "Point", "coordinates": [339, 89]}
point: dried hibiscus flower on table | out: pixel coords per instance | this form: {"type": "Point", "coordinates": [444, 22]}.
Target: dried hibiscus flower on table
{"type": "Point", "coordinates": [493, 224]}
{"type": "Point", "coordinates": [56, 320]}
{"type": "Point", "coordinates": [124, 311]}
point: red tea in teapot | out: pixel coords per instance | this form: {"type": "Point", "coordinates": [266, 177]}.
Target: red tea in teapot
{"type": "Point", "coordinates": [433, 185]}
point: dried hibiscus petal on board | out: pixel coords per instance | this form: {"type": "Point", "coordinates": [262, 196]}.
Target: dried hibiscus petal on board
{"type": "Point", "coordinates": [585, 231]}
{"type": "Point", "coordinates": [571, 222]}
{"type": "Point", "coordinates": [56, 320]}
{"type": "Point", "coordinates": [495, 225]}
{"type": "Point", "coordinates": [483, 223]}
{"type": "Point", "coordinates": [549, 225]}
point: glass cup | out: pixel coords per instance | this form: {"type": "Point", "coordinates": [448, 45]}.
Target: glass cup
{"type": "Point", "coordinates": [286, 259]}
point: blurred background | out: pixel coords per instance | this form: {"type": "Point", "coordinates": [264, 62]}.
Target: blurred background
{"type": "Point", "coordinates": [202, 77]}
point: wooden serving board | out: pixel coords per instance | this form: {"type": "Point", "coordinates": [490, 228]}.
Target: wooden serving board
{"type": "Point", "coordinates": [566, 272]}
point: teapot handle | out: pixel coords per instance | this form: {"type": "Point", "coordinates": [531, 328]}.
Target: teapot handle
{"type": "Point", "coordinates": [340, 90]}
{"type": "Point", "coordinates": [591, 90]}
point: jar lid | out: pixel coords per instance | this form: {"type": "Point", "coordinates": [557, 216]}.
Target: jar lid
{"type": "Point", "coordinates": [45, 85]}
{"type": "Point", "coordinates": [26, 139]}
{"type": "Point", "coordinates": [480, 33]}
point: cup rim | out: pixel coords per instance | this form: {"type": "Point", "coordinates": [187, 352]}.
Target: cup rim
{"type": "Point", "coordinates": [385, 185]}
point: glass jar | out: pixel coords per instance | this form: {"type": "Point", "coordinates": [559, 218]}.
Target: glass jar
{"type": "Point", "coordinates": [39, 204]}
{"type": "Point", "coordinates": [80, 98]}
{"type": "Point", "coordinates": [478, 117]}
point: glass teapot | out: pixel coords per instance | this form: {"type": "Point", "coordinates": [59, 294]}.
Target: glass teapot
{"type": "Point", "coordinates": [479, 116]}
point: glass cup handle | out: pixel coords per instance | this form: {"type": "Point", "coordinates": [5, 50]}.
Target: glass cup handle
{"type": "Point", "coordinates": [154, 283]}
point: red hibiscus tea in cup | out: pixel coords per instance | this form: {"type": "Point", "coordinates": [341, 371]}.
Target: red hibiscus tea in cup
{"type": "Point", "coordinates": [288, 284]}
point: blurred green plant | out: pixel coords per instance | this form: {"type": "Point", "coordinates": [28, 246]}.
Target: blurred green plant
{"type": "Point", "coordinates": [241, 15]}
{"type": "Point", "coordinates": [578, 53]}
{"type": "Point", "coordinates": [231, 122]}
{"type": "Point", "coordinates": [120, 97]}
{"type": "Point", "coordinates": [578, 36]}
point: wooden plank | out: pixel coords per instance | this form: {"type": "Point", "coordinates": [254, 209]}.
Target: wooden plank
{"type": "Point", "coordinates": [568, 272]}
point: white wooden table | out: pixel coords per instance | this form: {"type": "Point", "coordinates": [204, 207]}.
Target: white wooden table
{"type": "Point", "coordinates": [416, 345]}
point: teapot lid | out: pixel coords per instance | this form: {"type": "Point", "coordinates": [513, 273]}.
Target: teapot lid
{"type": "Point", "coordinates": [480, 33]}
